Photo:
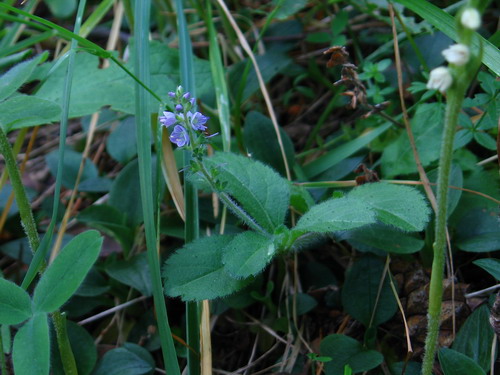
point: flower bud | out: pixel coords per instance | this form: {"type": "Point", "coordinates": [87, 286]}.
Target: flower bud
{"type": "Point", "coordinates": [440, 79]}
{"type": "Point", "coordinates": [471, 18]}
{"type": "Point", "coordinates": [457, 54]}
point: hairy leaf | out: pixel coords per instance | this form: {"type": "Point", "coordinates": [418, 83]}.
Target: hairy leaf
{"type": "Point", "coordinates": [196, 271]}
{"type": "Point", "coordinates": [400, 206]}
{"type": "Point", "coordinates": [336, 214]}
{"type": "Point", "coordinates": [261, 191]}
{"type": "Point", "coordinates": [247, 254]}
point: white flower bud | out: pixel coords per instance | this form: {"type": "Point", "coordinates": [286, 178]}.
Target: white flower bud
{"type": "Point", "coordinates": [457, 54]}
{"type": "Point", "coordinates": [440, 79]}
{"type": "Point", "coordinates": [471, 18]}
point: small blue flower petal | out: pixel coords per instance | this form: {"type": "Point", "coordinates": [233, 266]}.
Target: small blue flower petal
{"type": "Point", "coordinates": [197, 120]}
{"type": "Point", "coordinates": [179, 136]}
{"type": "Point", "coordinates": [168, 119]}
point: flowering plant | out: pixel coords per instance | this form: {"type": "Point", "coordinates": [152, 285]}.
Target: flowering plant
{"type": "Point", "coordinates": [188, 124]}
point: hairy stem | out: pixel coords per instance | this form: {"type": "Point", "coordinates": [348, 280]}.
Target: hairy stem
{"type": "Point", "coordinates": [454, 104]}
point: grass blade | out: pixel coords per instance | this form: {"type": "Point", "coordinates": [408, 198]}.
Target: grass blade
{"type": "Point", "coordinates": [143, 130]}
{"type": "Point", "coordinates": [190, 192]}
{"type": "Point", "coordinates": [221, 93]}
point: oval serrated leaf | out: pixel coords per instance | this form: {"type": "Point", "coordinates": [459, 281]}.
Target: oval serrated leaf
{"type": "Point", "coordinates": [401, 206]}
{"type": "Point", "coordinates": [347, 351]}
{"type": "Point", "coordinates": [15, 303]}
{"type": "Point", "coordinates": [196, 272]}
{"type": "Point", "coordinates": [31, 351]}
{"type": "Point", "coordinates": [63, 277]}
{"type": "Point", "coordinates": [336, 214]}
{"type": "Point", "coordinates": [247, 254]}
{"type": "Point", "coordinates": [262, 192]}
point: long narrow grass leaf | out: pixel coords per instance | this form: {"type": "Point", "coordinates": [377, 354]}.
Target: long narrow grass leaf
{"type": "Point", "coordinates": [190, 192]}
{"type": "Point", "coordinates": [143, 131]}
{"type": "Point", "coordinates": [221, 92]}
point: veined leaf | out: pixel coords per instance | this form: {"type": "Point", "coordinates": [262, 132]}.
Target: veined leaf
{"type": "Point", "coordinates": [401, 206]}
{"type": "Point", "coordinates": [196, 271]}
{"type": "Point", "coordinates": [336, 214]}
{"type": "Point", "coordinates": [247, 254]}
{"type": "Point", "coordinates": [261, 191]}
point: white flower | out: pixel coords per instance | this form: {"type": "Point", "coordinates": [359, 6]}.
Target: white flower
{"type": "Point", "coordinates": [457, 54]}
{"type": "Point", "coordinates": [440, 79]}
{"type": "Point", "coordinates": [471, 18]}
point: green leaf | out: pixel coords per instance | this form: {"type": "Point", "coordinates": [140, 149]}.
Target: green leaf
{"type": "Point", "coordinates": [455, 363]}
{"type": "Point", "coordinates": [485, 140]}
{"type": "Point", "coordinates": [131, 359]}
{"type": "Point", "coordinates": [248, 254]}
{"type": "Point", "coordinates": [196, 271]}
{"type": "Point", "coordinates": [31, 351]}
{"type": "Point", "coordinates": [478, 231]}
{"type": "Point", "coordinates": [359, 292]}
{"type": "Point", "coordinates": [336, 214]}
{"type": "Point", "coordinates": [412, 368]}
{"type": "Point", "coordinates": [427, 127]}
{"type": "Point", "coordinates": [476, 336]}
{"type": "Point", "coordinates": [94, 285]}
{"type": "Point", "coordinates": [262, 143]}
{"type": "Point", "coordinates": [111, 221]}
{"type": "Point", "coordinates": [400, 206]}
{"type": "Point", "coordinates": [304, 303]}
{"type": "Point", "coordinates": [63, 277]}
{"type": "Point", "coordinates": [492, 266]}
{"type": "Point", "coordinates": [446, 23]}
{"type": "Point", "coordinates": [261, 191]}
{"type": "Point", "coordinates": [382, 239]}
{"type": "Point", "coordinates": [342, 152]}
{"type": "Point", "coordinates": [18, 75]}
{"type": "Point", "coordinates": [121, 143]}
{"type": "Point", "coordinates": [125, 192]}
{"type": "Point", "coordinates": [23, 111]}
{"type": "Point", "coordinates": [15, 303]}
{"type": "Point", "coordinates": [84, 350]}
{"type": "Point", "coordinates": [72, 160]}
{"type": "Point", "coordinates": [61, 8]}
{"type": "Point", "coordinates": [133, 272]}
{"type": "Point", "coordinates": [346, 351]}
{"type": "Point", "coordinates": [113, 87]}
{"type": "Point", "coordinates": [287, 8]}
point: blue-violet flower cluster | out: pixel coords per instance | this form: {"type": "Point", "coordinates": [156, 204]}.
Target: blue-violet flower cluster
{"type": "Point", "coordinates": [185, 120]}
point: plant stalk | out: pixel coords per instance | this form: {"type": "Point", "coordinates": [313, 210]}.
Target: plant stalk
{"type": "Point", "coordinates": [454, 104]}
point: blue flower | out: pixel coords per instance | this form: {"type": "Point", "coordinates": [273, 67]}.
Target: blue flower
{"type": "Point", "coordinates": [168, 119]}
{"type": "Point", "coordinates": [179, 107]}
{"type": "Point", "coordinates": [197, 120]}
{"type": "Point", "coordinates": [179, 136]}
